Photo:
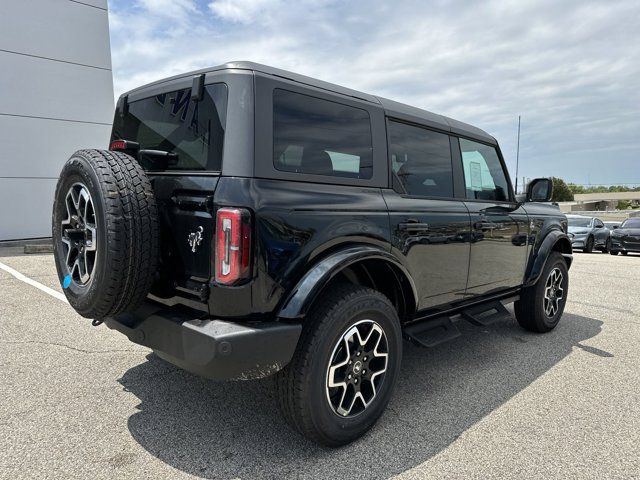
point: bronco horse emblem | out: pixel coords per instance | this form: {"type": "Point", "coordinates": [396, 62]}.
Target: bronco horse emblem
{"type": "Point", "coordinates": [195, 238]}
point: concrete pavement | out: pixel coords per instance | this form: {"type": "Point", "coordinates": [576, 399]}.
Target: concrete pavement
{"type": "Point", "coordinates": [78, 401]}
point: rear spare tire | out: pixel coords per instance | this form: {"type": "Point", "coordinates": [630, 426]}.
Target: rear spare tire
{"type": "Point", "coordinates": [105, 233]}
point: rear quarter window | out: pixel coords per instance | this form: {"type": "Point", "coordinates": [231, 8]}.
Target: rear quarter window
{"type": "Point", "coordinates": [319, 137]}
{"type": "Point", "coordinates": [172, 122]}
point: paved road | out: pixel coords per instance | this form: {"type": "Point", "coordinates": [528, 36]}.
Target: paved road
{"type": "Point", "coordinates": [79, 401]}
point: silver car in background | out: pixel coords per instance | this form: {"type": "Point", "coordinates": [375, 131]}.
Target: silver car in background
{"type": "Point", "coordinates": [588, 233]}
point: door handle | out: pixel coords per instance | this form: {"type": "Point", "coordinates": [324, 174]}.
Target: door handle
{"type": "Point", "coordinates": [413, 226]}
{"type": "Point", "coordinates": [481, 224]}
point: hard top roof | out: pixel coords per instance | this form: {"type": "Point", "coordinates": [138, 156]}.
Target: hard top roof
{"type": "Point", "coordinates": [391, 107]}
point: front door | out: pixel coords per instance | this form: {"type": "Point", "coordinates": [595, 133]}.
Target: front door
{"type": "Point", "coordinates": [499, 225]}
{"type": "Point", "coordinates": [600, 233]}
{"type": "Point", "coordinates": [429, 227]}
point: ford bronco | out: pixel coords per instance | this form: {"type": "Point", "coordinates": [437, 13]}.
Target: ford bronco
{"type": "Point", "coordinates": [248, 221]}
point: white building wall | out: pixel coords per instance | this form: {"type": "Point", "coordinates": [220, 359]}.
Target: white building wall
{"type": "Point", "coordinates": [56, 96]}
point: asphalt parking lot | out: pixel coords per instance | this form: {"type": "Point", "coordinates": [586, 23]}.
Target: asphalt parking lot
{"type": "Point", "coordinates": [497, 402]}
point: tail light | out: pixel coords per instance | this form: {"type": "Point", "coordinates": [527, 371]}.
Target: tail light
{"type": "Point", "coordinates": [233, 245]}
{"type": "Point", "coordinates": [123, 145]}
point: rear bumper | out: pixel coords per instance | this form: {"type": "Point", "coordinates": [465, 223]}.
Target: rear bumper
{"type": "Point", "coordinates": [211, 348]}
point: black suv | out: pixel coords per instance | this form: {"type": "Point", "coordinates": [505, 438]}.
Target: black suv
{"type": "Point", "coordinates": [248, 221]}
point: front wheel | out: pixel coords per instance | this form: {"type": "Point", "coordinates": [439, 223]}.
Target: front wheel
{"type": "Point", "coordinates": [541, 305]}
{"type": "Point", "coordinates": [345, 367]}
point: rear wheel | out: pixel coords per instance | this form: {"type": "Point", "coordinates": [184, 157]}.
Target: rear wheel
{"type": "Point", "coordinates": [345, 367]}
{"type": "Point", "coordinates": [105, 233]}
{"type": "Point", "coordinates": [613, 252]}
{"type": "Point", "coordinates": [541, 305]}
{"type": "Point", "coordinates": [588, 247]}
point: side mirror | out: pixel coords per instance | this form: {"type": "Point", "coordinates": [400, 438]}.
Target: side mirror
{"type": "Point", "coordinates": [614, 227]}
{"type": "Point", "coordinates": [540, 190]}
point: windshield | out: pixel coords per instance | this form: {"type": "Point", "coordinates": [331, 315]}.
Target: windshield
{"type": "Point", "coordinates": [631, 223]}
{"type": "Point", "coordinates": [579, 222]}
{"type": "Point", "coordinates": [172, 122]}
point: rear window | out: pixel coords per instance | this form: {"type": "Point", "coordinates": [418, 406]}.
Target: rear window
{"type": "Point", "coordinates": [320, 137]}
{"type": "Point", "coordinates": [172, 122]}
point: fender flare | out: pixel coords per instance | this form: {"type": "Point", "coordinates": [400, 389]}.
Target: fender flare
{"type": "Point", "coordinates": [312, 283]}
{"type": "Point", "coordinates": [540, 257]}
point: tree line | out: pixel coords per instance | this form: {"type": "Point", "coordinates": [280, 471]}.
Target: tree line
{"type": "Point", "coordinates": [564, 192]}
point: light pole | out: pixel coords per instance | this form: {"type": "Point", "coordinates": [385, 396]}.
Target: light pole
{"type": "Point", "coordinates": [518, 154]}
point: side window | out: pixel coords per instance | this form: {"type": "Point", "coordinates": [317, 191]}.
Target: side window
{"type": "Point", "coordinates": [598, 223]}
{"type": "Point", "coordinates": [421, 160]}
{"type": "Point", "coordinates": [319, 137]}
{"type": "Point", "coordinates": [483, 174]}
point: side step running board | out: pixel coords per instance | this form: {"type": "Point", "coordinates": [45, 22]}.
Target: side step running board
{"type": "Point", "coordinates": [433, 332]}
{"type": "Point", "coordinates": [430, 333]}
{"type": "Point", "coordinates": [486, 314]}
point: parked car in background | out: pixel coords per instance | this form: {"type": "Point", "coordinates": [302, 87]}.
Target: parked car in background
{"type": "Point", "coordinates": [626, 238]}
{"type": "Point", "coordinates": [587, 233]}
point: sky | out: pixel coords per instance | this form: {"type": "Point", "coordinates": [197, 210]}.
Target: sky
{"type": "Point", "coordinates": [570, 69]}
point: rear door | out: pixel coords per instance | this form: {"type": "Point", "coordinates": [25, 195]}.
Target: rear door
{"type": "Point", "coordinates": [429, 228]}
{"type": "Point", "coordinates": [181, 144]}
{"type": "Point", "coordinates": [499, 225]}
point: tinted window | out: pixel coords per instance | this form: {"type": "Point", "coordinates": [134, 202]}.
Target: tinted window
{"type": "Point", "coordinates": [483, 174]}
{"type": "Point", "coordinates": [172, 122]}
{"type": "Point", "coordinates": [598, 223]}
{"type": "Point", "coordinates": [421, 160]}
{"type": "Point", "coordinates": [320, 137]}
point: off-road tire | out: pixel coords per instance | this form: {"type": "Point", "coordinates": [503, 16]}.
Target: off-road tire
{"type": "Point", "coordinates": [588, 246]}
{"type": "Point", "coordinates": [529, 309]}
{"type": "Point", "coordinates": [127, 232]}
{"type": "Point", "coordinates": [300, 386]}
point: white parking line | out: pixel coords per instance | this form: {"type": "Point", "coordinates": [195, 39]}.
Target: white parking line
{"type": "Point", "coordinates": [22, 278]}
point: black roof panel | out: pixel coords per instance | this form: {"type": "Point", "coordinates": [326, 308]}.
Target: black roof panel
{"type": "Point", "coordinates": [392, 108]}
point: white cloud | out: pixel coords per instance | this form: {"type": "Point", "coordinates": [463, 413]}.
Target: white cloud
{"type": "Point", "coordinates": [570, 68]}
{"type": "Point", "coordinates": [243, 11]}
{"type": "Point", "coordinates": [169, 8]}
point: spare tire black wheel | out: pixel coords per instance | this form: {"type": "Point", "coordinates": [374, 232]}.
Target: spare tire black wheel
{"type": "Point", "coordinates": [105, 233]}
